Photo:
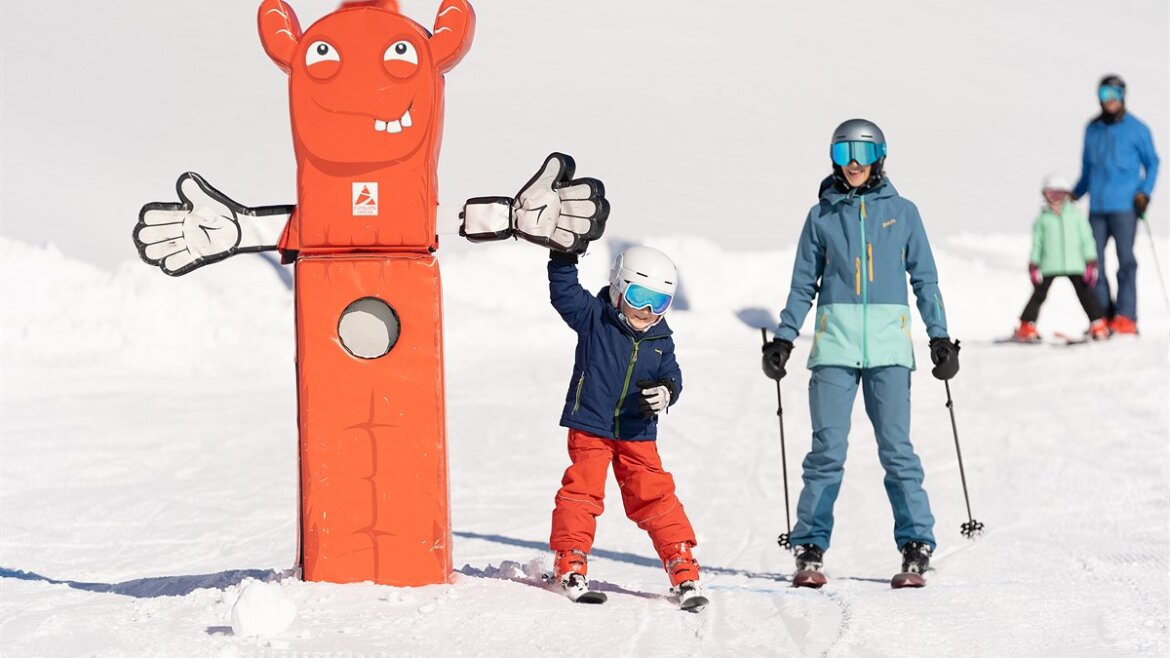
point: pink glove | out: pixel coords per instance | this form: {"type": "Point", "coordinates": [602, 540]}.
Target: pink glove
{"type": "Point", "coordinates": [1034, 274]}
{"type": "Point", "coordinates": [1091, 273]}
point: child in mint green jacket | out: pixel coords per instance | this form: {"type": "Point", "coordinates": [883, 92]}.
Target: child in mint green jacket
{"type": "Point", "coordinates": [1062, 246]}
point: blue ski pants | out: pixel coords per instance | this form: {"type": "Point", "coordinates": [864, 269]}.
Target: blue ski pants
{"type": "Point", "coordinates": [1122, 227]}
{"type": "Point", "coordinates": [886, 392]}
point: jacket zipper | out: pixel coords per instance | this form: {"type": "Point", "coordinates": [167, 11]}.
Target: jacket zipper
{"type": "Point", "coordinates": [865, 293]}
{"type": "Point", "coordinates": [580, 385]}
{"type": "Point", "coordinates": [617, 413]}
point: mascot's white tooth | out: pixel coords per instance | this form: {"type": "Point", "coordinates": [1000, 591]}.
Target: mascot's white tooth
{"type": "Point", "coordinates": [393, 127]}
{"type": "Point", "coordinates": [406, 121]}
{"type": "Point", "coordinates": [379, 125]}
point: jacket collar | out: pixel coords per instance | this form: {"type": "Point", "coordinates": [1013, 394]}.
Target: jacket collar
{"type": "Point", "coordinates": [832, 195]}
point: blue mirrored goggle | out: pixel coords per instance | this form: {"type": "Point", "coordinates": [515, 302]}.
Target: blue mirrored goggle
{"type": "Point", "coordinates": [865, 153]}
{"type": "Point", "coordinates": [1110, 93]}
{"type": "Point", "coordinates": [642, 297]}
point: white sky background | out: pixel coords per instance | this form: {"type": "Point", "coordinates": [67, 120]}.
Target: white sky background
{"type": "Point", "coordinates": [709, 119]}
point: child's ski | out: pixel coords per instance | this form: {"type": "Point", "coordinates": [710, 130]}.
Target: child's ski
{"type": "Point", "coordinates": [809, 578]}
{"type": "Point", "coordinates": [1016, 341]}
{"type": "Point", "coordinates": [576, 588]}
{"type": "Point", "coordinates": [691, 596]}
{"type": "Point", "coordinates": [1065, 339]}
{"type": "Point", "coordinates": [907, 579]}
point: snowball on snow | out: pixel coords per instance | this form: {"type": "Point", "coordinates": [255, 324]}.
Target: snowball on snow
{"type": "Point", "coordinates": [262, 609]}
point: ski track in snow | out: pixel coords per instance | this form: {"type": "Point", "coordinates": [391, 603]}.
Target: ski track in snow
{"type": "Point", "coordinates": [149, 457]}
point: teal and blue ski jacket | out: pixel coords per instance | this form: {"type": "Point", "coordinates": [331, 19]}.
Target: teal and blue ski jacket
{"type": "Point", "coordinates": [854, 253]}
{"type": "Point", "coordinates": [611, 358]}
{"type": "Point", "coordinates": [1112, 162]}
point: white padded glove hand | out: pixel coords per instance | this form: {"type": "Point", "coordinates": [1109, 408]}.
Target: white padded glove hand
{"type": "Point", "coordinates": [552, 210]}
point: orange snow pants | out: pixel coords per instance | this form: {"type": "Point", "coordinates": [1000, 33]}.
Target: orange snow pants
{"type": "Point", "coordinates": [647, 493]}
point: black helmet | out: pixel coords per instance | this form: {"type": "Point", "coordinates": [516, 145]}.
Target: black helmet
{"type": "Point", "coordinates": [1112, 80]}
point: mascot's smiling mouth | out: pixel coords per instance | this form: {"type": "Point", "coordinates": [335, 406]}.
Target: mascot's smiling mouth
{"type": "Point", "coordinates": [392, 126]}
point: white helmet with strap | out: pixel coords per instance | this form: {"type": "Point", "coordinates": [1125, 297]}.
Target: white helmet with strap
{"type": "Point", "coordinates": [645, 268]}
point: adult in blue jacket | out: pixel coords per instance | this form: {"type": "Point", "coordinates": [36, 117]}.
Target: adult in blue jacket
{"type": "Point", "coordinates": [1118, 170]}
{"type": "Point", "coordinates": [856, 248]}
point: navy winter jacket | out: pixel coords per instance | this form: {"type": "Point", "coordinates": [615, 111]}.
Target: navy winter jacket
{"type": "Point", "coordinates": [611, 359]}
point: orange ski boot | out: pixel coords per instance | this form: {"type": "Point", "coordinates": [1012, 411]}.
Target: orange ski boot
{"type": "Point", "coordinates": [1026, 333]}
{"type": "Point", "coordinates": [1123, 325]}
{"type": "Point", "coordinates": [1099, 329]}
{"type": "Point", "coordinates": [683, 571]}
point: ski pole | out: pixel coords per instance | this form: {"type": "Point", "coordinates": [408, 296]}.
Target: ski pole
{"type": "Point", "coordinates": [1157, 263]}
{"type": "Point", "coordinates": [971, 528]}
{"type": "Point", "coordinates": [783, 539]}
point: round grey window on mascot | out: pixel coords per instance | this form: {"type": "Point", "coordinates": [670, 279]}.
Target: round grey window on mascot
{"type": "Point", "coordinates": [368, 328]}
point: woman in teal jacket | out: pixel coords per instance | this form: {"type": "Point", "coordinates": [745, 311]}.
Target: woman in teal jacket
{"type": "Point", "coordinates": [1062, 245]}
{"type": "Point", "coordinates": [858, 244]}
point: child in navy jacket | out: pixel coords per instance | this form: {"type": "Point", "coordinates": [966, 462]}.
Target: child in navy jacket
{"type": "Point", "coordinates": [624, 375]}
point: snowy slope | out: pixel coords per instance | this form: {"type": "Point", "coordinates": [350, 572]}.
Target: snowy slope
{"type": "Point", "coordinates": [148, 468]}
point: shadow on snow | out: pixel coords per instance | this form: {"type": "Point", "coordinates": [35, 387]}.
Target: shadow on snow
{"type": "Point", "coordinates": [147, 588]}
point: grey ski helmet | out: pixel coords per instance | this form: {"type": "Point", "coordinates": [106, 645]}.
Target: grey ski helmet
{"type": "Point", "coordinates": [860, 130]}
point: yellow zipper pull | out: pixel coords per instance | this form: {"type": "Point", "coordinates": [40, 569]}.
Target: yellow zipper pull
{"type": "Point", "coordinates": [869, 250]}
{"type": "Point", "coordinates": [859, 276]}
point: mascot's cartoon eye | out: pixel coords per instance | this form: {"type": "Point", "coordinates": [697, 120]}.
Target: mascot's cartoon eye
{"type": "Point", "coordinates": [321, 51]}
{"type": "Point", "coordinates": [401, 51]}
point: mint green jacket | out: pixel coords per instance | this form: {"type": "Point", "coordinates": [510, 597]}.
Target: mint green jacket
{"type": "Point", "coordinates": [1062, 244]}
{"type": "Point", "coordinates": [853, 258]}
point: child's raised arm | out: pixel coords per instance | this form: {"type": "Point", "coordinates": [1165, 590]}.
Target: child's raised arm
{"type": "Point", "coordinates": [575, 305]}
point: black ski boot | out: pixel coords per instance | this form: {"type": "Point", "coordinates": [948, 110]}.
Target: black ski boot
{"type": "Point", "coordinates": [915, 562]}
{"type": "Point", "coordinates": [810, 559]}
{"type": "Point", "coordinates": [915, 557]}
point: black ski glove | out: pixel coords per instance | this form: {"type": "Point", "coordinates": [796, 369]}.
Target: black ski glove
{"type": "Point", "coordinates": [945, 354]}
{"type": "Point", "coordinates": [1140, 203]}
{"type": "Point", "coordinates": [656, 396]}
{"type": "Point", "coordinates": [776, 355]}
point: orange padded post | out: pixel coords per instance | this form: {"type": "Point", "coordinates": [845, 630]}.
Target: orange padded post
{"type": "Point", "coordinates": [372, 438]}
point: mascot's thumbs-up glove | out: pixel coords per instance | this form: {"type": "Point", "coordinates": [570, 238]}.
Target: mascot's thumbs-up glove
{"type": "Point", "coordinates": [553, 210]}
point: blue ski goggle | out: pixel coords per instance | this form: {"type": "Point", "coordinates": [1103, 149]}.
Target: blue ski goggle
{"type": "Point", "coordinates": [865, 153]}
{"type": "Point", "coordinates": [642, 297]}
{"type": "Point", "coordinates": [1110, 93]}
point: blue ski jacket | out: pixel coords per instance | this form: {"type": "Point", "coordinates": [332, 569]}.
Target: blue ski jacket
{"type": "Point", "coordinates": [854, 253]}
{"type": "Point", "coordinates": [610, 360]}
{"type": "Point", "coordinates": [1112, 162]}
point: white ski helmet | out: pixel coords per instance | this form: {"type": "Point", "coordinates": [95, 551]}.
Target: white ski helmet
{"type": "Point", "coordinates": [646, 269]}
{"type": "Point", "coordinates": [1056, 182]}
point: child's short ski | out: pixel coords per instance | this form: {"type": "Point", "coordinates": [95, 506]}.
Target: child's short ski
{"type": "Point", "coordinates": [691, 596]}
{"type": "Point", "coordinates": [1012, 340]}
{"type": "Point", "coordinates": [809, 578]}
{"type": "Point", "coordinates": [1065, 339]}
{"type": "Point", "coordinates": [589, 596]}
{"type": "Point", "coordinates": [576, 588]}
{"type": "Point", "coordinates": [907, 579]}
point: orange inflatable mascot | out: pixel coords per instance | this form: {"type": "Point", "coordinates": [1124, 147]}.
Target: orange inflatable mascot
{"type": "Point", "coordinates": [366, 100]}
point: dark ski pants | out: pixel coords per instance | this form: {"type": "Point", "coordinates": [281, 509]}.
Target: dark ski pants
{"type": "Point", "coordinates": [1122, 227]}
{"type": "Point", "coordinates": [886, 392]}
{"type": "Point", "coordinates": [1085, 294]}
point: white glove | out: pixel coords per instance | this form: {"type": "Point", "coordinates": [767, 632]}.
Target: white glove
{"type": "Point", "coordinates": [204, 227]}
{"type": "Point", "coordinates": [655, 398]}
{"type": "Point", "coordinates": [551, 210]}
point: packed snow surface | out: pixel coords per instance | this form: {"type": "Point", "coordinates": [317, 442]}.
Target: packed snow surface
{"type": "Point", "coordinates": [149, 477]}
